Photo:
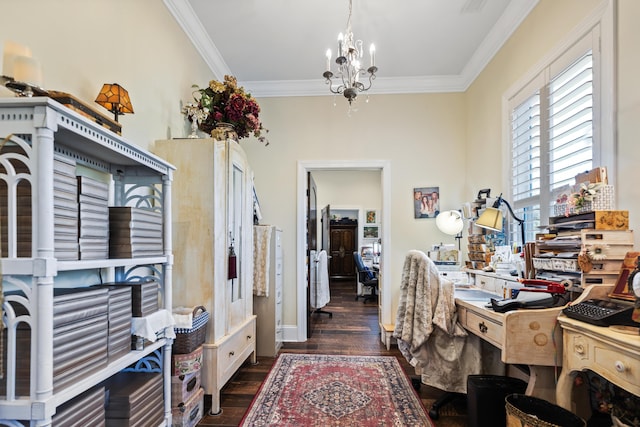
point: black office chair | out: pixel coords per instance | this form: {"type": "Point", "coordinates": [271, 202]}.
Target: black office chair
{"type": "Point", "coordinates": [367, 278]}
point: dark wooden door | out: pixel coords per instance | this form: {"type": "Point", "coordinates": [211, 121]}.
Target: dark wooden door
{"type": "Point", "coordinates": [343, 239]}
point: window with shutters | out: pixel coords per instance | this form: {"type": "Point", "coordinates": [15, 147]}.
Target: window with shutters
{"type": "Point", "coordinates": [555, 131]}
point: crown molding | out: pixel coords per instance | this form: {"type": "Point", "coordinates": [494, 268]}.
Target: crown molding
{"type": "Point", "coordinates": [192, 26]}
{"type": "Point", "coordinates": [512, 17]}
{"type": "Point", "coordinates": [508, 23]}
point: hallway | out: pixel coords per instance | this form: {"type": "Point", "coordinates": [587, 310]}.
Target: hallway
{"type": "Point", "coordinates": [354, 330]}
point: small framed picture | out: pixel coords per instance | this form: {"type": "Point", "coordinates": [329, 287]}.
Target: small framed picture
{"type": "Point", "coordinates": [426, 202]}
{"type": "Point", "coordinates": [370, 232]}
{"type": "Point", "coordinates": [370, 217]}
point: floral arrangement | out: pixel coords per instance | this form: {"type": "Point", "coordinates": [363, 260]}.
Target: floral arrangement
{"type": "Point", "coordinates": [226, 102]}
{"type": "Point", "coordinates": [578, 197]}
{"type": "Point", "coordinates": [586, 193]}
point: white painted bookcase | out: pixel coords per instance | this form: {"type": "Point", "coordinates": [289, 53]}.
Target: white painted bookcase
{"type": "Point", "coordinates": [43, 128]}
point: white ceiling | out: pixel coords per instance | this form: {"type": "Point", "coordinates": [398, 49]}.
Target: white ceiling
{"type": "Point", "coordinates": [277, 47]}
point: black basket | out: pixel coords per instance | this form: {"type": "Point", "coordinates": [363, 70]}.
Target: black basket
{"type": "Point", "coordinates": [189, 339]}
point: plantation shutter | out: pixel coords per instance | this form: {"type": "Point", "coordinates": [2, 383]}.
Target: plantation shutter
{"type": "Point", "coordinates": [526, 165]}
{"type": "Point", "coordinates": [571, 122]}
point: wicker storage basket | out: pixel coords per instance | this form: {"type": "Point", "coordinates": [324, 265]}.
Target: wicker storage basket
{"type": "Point", "coordinates": [189, 339]}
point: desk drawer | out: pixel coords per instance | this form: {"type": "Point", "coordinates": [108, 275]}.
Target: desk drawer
{"type": "Point", "coordinates": [485, 328]}
{"type": "Point", "coordinates": [614, 364]}
{"type": "Point", "coordinates": [235, 350]}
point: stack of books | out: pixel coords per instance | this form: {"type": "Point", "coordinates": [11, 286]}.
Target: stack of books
{"type": "Point", "coordinates": [135, 399]}
{"type": "Point", "coordinates": [134, 232]}
{"type": "Point", "coordinates": [65, 208]}
{"type": "Point", "coordinates": [85, 409]}
{"type": "Point", "coordinates": [23, 206]}
{"type": "Point", "coordinates": [93, 200]}
{"type": "Point", "coordinates": [119, 321]}
{"type": "Point", "coordinates": [143, 295]}
{"type": "Point", "coordinates": [24, 220]}
{"type": "Point", "coordinates": [80, 333]}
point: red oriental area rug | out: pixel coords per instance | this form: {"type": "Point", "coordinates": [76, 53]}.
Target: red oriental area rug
{"type": "Point", "coordinates": [329, 390]}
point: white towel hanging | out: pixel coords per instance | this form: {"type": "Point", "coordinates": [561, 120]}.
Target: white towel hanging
{"type": "Point", "coordinates": [320, 295]}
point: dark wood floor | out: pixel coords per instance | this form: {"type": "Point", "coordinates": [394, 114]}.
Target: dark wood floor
{"type": "Point", "coordinates": [353, 329]}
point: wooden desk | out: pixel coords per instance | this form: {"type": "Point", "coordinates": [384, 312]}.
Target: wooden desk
{"type": "Point", "coordinates": [613, 355]}
{"type": "Point", "coordinates": [526, 337]}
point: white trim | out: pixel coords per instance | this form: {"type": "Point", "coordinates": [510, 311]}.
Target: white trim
{"type": "Point", "coordinates": [576, 34]}
{"type": "Point", "coordinates": [608, 101]}
{"type": "Point", "coordinates": [512, 17]}
{"type": "Point", "coordinates": [602, 16]}
{"type": "Point", "coordinates": [305, 166]}
{"type": "Point", "coordinates": [192, 27]}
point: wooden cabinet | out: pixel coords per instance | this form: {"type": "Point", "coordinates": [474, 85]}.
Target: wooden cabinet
{"type": "Point", "coordinates": [213, 210]}
{"type": "Point", "coordinates": [556, 257]}
{"type": "Point", "coordinates": [36, 266]}
{"type": "Point", "coordinates": [343, 241]}
{"type": "Point", "coordinates": [268, 309]}
{"type": "Point", "coordinates": [612, 354]}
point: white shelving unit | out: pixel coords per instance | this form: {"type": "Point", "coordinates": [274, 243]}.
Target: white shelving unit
{"type": "Point", "coordinates": [42, 128]}
{"type": "Point", "coordinates": [269, 309]}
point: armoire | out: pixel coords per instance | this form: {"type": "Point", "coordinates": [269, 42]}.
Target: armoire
{"type": "Point", "coordinates": [213, 207]}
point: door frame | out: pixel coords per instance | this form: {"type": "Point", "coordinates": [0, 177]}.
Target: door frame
{"type": "Point", "coordinates": [304, 166]}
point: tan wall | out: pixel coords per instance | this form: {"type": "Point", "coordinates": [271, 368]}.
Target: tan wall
{"type": "Point", "coordinates": [421, 135]}
{"type": "Point", "coordinates": [138, 44]}
{"type": "Point", "coordinates": [351, 190]}
{"type": "Point", "coordinates": [447, 140]}
{"type": "Point", "coordinates": [628, 159]}
{"type": "Point", "coordinates": [547, 23]}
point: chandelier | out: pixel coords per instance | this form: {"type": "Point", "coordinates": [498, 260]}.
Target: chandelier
{"type": "Point", "coordinates": [349, 68]}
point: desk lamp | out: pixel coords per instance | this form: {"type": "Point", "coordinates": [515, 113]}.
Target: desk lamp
{"type": "Point", "coordinates": [115, 98]}
{"type": "Point", "coordinates": [491, 217]}
{"type": "Point", "coordinates": [451, 223]}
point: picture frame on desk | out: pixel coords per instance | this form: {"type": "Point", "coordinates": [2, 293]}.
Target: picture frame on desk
{"type": "Point", "coordinates": [621, 289]}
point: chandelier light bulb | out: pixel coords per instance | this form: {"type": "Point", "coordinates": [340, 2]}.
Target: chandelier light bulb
{"type": "Point", "coordinates": [372, 53]}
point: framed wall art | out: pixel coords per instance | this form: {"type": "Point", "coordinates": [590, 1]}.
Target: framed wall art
{"type": "Point", "coordinates": [370, 232]}
{"type": "Point", "coordinates": [370, 217]}
{"type": "Point", "coordinates": [426, 202]}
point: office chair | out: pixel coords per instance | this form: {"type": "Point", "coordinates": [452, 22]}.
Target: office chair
{"type": "Point", "coordinates": [428, 333]}
{"type": "Point", "coordinates": [367, 278]}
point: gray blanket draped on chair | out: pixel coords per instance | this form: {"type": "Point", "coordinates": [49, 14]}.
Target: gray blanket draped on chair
{"type": "Point", "coordinates": [428, 333]}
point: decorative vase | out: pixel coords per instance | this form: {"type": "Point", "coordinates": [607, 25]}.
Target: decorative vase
{"type": "Point", "coordinates": [194, 128]}
{"type": "Point", "coordinates": [224, 131]}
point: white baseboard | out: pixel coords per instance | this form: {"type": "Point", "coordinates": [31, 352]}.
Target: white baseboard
{"type": "Point", "coordinates": [290, 334]}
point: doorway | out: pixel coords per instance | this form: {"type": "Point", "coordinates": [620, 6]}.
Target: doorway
{"type": "Point", "coordinates": [383, 166]}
